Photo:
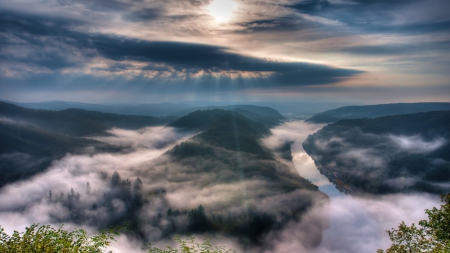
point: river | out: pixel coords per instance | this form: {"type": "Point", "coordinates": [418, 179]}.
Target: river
{"type": "Point", "coordinates": [357, 224]}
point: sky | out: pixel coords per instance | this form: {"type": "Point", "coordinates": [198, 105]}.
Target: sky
{"type": "Point", "coordinates": [147, 51]}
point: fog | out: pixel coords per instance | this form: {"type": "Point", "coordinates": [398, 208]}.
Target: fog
{"type": "Point", "coordinates": [396, 162]}
{"type": "Point", "coordinates": [415, 144]}
{"type": "Point", "coordinates": [27, 202]}
{"type": "Point", "coordinates": [357, 223]}
{"type": "Point", "coordinates": [350, 224]}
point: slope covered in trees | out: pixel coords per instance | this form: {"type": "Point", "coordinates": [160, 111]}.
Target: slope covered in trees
{"type": "Point", "coordinates": [373, 111]}
{"type": "Point", "coordinates": [235, 132]}
{"type": "Point", "coordinates": [200, 120]}
{"type": "Point", "coordinates": [31, 139]}
{"type": "Point", "coordinates": [27, 150]}
{"type": "Point", "coordinates": [229, 155]}
{"type": "Point", "coordinates": [389, 154]}
{"type": "Point", "coordinates": [77, 122]}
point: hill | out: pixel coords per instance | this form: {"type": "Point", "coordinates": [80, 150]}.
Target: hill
{"type": "Point", "coordinates": [198, 120]}
{"type": "Point", "coordinates": [152, 109]}
{"type": "Point", "coordinates": [373, 111]}
{"type": "Point", "coordinates": [77, 122]}
{"type": "Point", "coordinates": [31, 139]}
{"type": "Point", "coordinates": [234, 132]}
{"type": "Point", "coordinates": [400, 153]}
{"type": "Point", "coordinates": [229, 172]}
{"type": "Point", "coordinates": [261, 114]}
{"type": "Point", "coordinates": [27, 150]}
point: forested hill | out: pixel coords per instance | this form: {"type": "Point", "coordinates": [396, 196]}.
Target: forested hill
{"type": "Point", "coordinates": [27, 150]}
{"type": "Point", "coordinates": [201, 119]}
{"type": "Point", "coordinates": [77, 122]}
{"type": "Point", "coordinates": [231, 131]}
{"type": "Point", "coordinates": [229, 160]}
{"type": "Point", "coordinates": [373, 111]}
{"type": "Point", "coordinates": [428, 124]}
{"type": "Point", "coordinates": [235, 132]}
{"type": "Point", "coordinates": [400, 153]}
{"type": "Point", "coordinates": [31, 139]}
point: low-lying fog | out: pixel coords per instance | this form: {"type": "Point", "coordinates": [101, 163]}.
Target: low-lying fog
{"type": "Point", "coordinates": [357, 224]}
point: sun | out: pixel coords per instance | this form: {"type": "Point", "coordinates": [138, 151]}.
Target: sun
{"type": "Point", "coordinates": [222, 10]}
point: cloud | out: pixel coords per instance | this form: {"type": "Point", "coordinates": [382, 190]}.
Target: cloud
{"type": "Point", "coordinates": [45, 41]}
{"type": "Point", "coordinates": [378, 162]}
{"type": "Point", "coordinates": [356, 223]}
{"type": "Point", "coordinates": [61, 195]}
{"type": "Point", "coordinates": [415, 143]}
{"type": "Point", "coordinates": [150, 137]}
{"type": "Point", "coordinates": [397, 49]}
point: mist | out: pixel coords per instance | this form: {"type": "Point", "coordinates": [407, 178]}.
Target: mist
{"type": "Point", "coordinates": [78, 191]}
{"type": "Point", "coordinates": [357, 223]}
{"type": "Point", "coordinates": [345, 224]}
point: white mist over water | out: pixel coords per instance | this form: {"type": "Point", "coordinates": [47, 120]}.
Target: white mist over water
{"type": "Point", "coordinates": [357, 224]}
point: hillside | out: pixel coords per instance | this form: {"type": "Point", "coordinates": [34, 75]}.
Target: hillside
{"type": "Point", "coordinates": [228, 156]}
{"type": "Point", "coordinates": [77, 122]}
{"type": "Point", "coordinates": [235, 132]}
{"type": "Point", "coordinates": [199, 120]}
{"type": "Point", "coordinates": [26, 150]}
{"type": "Point", "coordinates": [373, 111]}
{"type": "Point", "coordinates": [261, 114]}
{"type": "Point", "coordinates": [400, 153]}
{"type": "Point", "coordinates": [31, 139]}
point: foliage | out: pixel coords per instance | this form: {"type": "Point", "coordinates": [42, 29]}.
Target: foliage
{"type": "Point", "coordinates": [189, 245]}
{"type": "Point", "coordinates": [433, 235]}
{"type": "Point", "coordinates": [47, 239]}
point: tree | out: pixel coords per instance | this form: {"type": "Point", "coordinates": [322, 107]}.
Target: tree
{"type": "Point", "coordinates": [189, 245]}
{"type": "Point", "coordinates": [115, 179]}
{"type": "Point", "coordinates": [432, 236]}
{"type": "Point", "coordinates": [46, 239]}
{"type": "Point", "coordinates": [137, 186]}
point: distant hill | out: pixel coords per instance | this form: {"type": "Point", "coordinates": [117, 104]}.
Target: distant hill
{"type": "Point", "coordinates": [259, 113]}
{"type": "Point", "coordinates": [373, 111]}
{"type": "Point", "coordinates": [201, 119]}
{"type": "Point", "coordinates": [77, 122]}
{"type": "Point", "coordinates": [400, 153]}
{"type": "Point", "coordinates": [31, 139]}
{"type": "Point", "coordinates": [26, 150]}
{"type": "Point", "coordinates": [153, 109]}
{"type": "Point", "coordinates": [198, 120]}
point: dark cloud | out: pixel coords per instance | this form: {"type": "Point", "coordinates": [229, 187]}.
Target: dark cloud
{"type": "Point", "coordinates": [143, 15]}
{"type": "Point", "coordinates": [373, 16]}
{"type": "Point", "coordinates": [398, 49]}
{"type": "Point", "coordinates": [53, 38]}
{"type": "Point", "coordinates": [215, 59]}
